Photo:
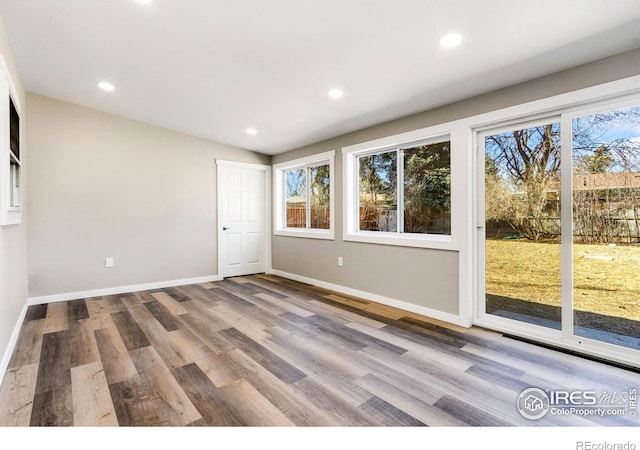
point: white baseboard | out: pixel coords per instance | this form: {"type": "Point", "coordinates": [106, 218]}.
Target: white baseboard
{"type": "Point", "coordinates": [119, 290]}
{"type": "Point", "coordinates": [8, 352]}
{"type": "Point", "coordinates": [6, 357]}
{"type": "Point", "coordinates": [422, 310]}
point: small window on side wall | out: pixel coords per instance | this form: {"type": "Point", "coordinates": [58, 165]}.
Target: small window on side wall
{"type": "Point", "coordinates": [10, 154]}
{"type": "Point", "coordinates": [15, 196]}
{"type": "Point", "coordinates": [304, 197]}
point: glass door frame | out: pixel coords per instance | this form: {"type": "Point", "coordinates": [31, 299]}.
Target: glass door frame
{"type": "Point", "coordinates": [565, 337]}
{"type": "Point", "coordinates": [504, 324]}
{"type": "Point", "coordinates": [585, 344]}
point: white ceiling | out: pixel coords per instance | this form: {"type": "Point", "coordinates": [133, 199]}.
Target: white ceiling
{"type": "Point", "coordinates": [212, 68]}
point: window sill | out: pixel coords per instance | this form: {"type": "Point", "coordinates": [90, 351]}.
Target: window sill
{"type": "Point", "coordinates": [431, 241]}
{"type": "Point", "coordinates": [11, 217]}
{"type": "Point", "coordinates": [306, 233]}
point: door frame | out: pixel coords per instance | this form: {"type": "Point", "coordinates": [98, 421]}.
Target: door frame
{"type": "Point", "coordinates": [565, 106]}
{"type": "Point", "coordinates": [481, 317]}
{"type": "Point", "coordinates": [220, 190]}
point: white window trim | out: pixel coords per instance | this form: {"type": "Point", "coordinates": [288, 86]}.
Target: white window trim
{"type": "Point", "coordinates": [9, 215]}
{"type": "Point", "coordinates": [280, 228]}
{"type": "Point", "coordinates": [460, 138]}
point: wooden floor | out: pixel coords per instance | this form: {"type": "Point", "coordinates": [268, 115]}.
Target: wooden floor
{"type": "Point", "coordinates": [265, 351]}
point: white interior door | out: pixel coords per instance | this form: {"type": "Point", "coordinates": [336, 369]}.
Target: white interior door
{"type": "Point", "coordinates": [243, 225]}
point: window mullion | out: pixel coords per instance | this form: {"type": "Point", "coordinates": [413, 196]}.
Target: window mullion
{"type": "Point", "coordinates": [283, 186]}
{"type": "Point", "coordinates": [308, 200]}
{"type": "Point", "coordinates": [400, 189]}
{"type": "Point", "coordinates": [566, 226]}
{"type": "Point", "coordinates": [355, 177]}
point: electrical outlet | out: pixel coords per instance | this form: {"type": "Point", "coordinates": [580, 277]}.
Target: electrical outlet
{"type": "Point", "coordinates": [340, 261]}
{"type": "Point", "coordinates": [108, 263]}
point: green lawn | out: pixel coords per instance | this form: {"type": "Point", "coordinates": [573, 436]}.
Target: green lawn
{"type": "Point", "coordinates": [606, 279]}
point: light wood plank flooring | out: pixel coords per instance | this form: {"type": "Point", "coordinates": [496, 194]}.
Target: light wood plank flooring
{"type": "Point", "coordinates": [265, 351]}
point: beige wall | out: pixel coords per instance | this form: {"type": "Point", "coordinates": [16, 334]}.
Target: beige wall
{"type": "Point", "coordinates": [423, 277]}
{"type": "Point", "coordinates": [104, 186]}
{"type": "Point", "coordinates": [13, 238]}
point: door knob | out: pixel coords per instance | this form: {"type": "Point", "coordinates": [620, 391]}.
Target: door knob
{"type": "Point", "coordinates": [225, 228]}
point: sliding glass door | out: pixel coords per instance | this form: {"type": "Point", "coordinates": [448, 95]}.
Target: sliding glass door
{"type": "Point", "coordinates": [521, 239]}
{"type": "Point", "coordinates": [605, 155]}
{"type": "Point", "coordinates": [558, 228]}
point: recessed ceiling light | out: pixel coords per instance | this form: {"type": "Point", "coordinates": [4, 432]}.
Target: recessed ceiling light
{"type": "Point", "coordinates": [106, 86]}
{"type": "Point", "coordinates": [335, 93]}
{"type": "Point", "coordinates": [251, 131]}
{"type": "Point", "coordinates": [144, 1]}
{"type": "Point", "coordinates": [450, 40]}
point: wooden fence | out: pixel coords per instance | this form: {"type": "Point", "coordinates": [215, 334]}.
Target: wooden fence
{"type": "Point", "coordinates": [297, 217]}
{"type": "Point", "coordinates": [371, 219]}
{"type": "Point", "coordinates": [599, 230]}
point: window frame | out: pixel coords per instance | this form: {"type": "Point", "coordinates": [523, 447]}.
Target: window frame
{"type": "Point", "coordinates": [279, 201]}
{"type": "Point", "coordinates": [564, 108]}
{"type": "Point", "coordinates": [11, 175]}
{"type": "Point", "coordinates": [459, 138]}
{"type": "Point", "coordinates": [400, 150]}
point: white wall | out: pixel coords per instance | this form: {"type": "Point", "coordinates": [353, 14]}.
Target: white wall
{"type": "Point", "coordinates": [105, 186]}
{"type": "Point", "coordinates": [13, 238]}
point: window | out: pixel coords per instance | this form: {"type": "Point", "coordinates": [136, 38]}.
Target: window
{"type": "Point", "coordinates": [400, 194]}
{"type": "Point", "coordinates": [378, 196]}
{"type": "Point", "coordinates": [307, 197]}
{"type": "Point", "coordinates": [10, 157]}
{"type": "Point", "coordinates": [406, 190]}
{"type": "Point", "coordinates": [303, 197]}
{"type": "Point", "coordinates": [14, 157]}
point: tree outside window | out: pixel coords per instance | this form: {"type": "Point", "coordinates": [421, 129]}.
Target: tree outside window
{"type": "Point", "coordinates": [307, 197]}
{"type": "Point", "coordinates": [423, 202]}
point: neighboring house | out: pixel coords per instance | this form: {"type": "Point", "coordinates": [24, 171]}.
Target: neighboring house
{"type": "Point", "coordinates": [607, 182]}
